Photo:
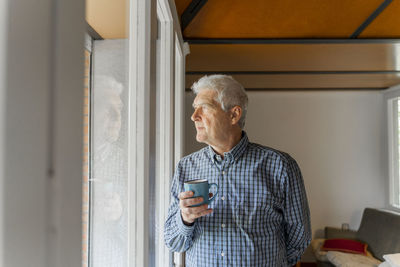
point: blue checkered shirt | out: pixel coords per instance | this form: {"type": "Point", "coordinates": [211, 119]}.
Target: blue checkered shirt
{"type": "Point", "coordinates": [260, 215]}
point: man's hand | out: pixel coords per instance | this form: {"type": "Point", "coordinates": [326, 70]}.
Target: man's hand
{"type": "Point", "coordinates": [190, 214]}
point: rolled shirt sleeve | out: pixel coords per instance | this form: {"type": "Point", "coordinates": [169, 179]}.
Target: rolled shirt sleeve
{"type": "Point", "coordinates": [297, 224]}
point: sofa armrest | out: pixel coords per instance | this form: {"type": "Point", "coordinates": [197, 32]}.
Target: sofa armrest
{"type": "Point", "coordinates": [332, 232]}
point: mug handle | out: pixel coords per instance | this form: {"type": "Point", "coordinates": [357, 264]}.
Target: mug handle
{"type": "Point", "coordinates": [209, 186]}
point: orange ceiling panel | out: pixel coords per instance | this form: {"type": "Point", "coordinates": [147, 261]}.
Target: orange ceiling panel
{"type": "Point", "coordinates": [108, 18]}
{"type": "Point", "coordinates": [386, 25]}
{"type": "Point", "coordinates": [181, 5]}
{"type": "Point", "coordinates": [289, 19]}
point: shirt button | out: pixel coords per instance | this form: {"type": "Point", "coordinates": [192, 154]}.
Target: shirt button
{"type": "Point", "coordinates": [223, 198]}
{"type": "Point", "coordinates": [223, 172]}
{"type": "Point", "coordinates": [222, 254]}
{"type": "Point", "coordinates": [223, 225]}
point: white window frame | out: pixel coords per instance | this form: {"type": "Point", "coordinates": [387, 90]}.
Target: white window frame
{"type": "Point", "coordinates": [181, 50]}
{"type": "Point", "coordinates": [141, 18]}
{"type": "Point", "coordinates": [165, 125]}
{"type": "Point", "coordinates": [390, 96]}
{"type": "Point", "coordinates": [170, 130]}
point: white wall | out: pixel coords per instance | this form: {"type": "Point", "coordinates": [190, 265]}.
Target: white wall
{"type": "Point", "coordinates": [338, 140]}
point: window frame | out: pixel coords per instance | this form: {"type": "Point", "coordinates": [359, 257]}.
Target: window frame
{"type": "Point", "coordinates": [171, 87]}
{"type": "Point", "coordinates": [165, 125]}
{"type": "Point", "coordinates": [142, 17]}
{"type": "Point", "coordinates": [181, 50]}
{"type": "Point", "coordinates": [139, 68]}
{"type": "Point", "coordinates": [87, 162]}
{"type": "Point", "coordinates": [390, 96]}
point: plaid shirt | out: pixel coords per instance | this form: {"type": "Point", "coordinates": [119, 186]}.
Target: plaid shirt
{"type": "Point", "coordinates": [260, 216]}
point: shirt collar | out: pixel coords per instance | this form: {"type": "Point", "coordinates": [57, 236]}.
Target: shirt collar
{"type": "Point", "coordinates": [235, 152]}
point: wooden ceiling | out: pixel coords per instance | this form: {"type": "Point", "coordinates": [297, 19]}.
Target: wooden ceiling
{"type": "Point", "coordinates": [289, 44]}
{"type": "Point", "coordinates": [108, 18]}
{"type": "Point", "coordinates": [281, 44]}
{"type": "Point", "coordinates": [298, 66]}
{"type": "Point", "coordinates": [289, 18]}
{"type": "Point", "coordinates": [265, 19]}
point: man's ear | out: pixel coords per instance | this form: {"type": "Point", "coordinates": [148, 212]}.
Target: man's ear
{"type": "Point", "coordinates": [236, 114]}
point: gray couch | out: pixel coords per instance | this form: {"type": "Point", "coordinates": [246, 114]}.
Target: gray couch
{"type": "Point", "coordinates": [379, 229]}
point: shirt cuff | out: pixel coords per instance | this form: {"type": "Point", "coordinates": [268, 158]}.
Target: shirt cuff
{"type": "Point", "coordinates": [184, 229]}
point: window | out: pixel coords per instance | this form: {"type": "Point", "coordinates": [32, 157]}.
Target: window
{"type": "Point", "coordinates": [86, 148]}
{"type": "Point", "coordinates": [108, 177]}
{"type": "Point", "coordinates": [394, 150]}
{"type": "Point", "coordinates": [132, 142]}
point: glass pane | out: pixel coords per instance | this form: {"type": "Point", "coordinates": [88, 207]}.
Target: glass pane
{"type": "Point", "coordinates": [109, 155]}
{"type": "Point", "coordinates": [108, 219]}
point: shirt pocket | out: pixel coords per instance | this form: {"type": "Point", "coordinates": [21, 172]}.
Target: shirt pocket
{"type": "Point", "coordinates": [257, 217]}
{"type": "Point", "coordinates": [248, 213]}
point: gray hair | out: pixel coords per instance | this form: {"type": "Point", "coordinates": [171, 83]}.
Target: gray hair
{"type": "Point", "coordinates": [230, 93]}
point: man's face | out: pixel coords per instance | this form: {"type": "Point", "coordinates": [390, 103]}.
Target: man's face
{"type": "Point", "coordinates": [212, 123]}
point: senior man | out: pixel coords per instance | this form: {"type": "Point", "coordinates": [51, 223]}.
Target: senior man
{"type": "Point", "coordinates": [260, 216]}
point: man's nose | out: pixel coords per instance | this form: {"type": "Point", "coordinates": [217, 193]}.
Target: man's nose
{"type": "Point", "coordinates": [194, 115]}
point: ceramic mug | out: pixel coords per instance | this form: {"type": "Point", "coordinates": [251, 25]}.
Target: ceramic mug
{"type": "Point", "coordinates": [201, 188]}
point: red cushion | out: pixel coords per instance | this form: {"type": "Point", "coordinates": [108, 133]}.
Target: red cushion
{"type": "Point", "coordinates": [345, 245]}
